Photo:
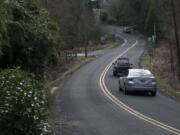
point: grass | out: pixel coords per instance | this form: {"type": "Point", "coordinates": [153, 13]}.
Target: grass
{"type": "Point", "coordinates": [110, 44]}
{"type": "Point", "coordinates": [147, 61]}
{"type": "Point", "coordinates": [114, 44]}
{"type": "Point", "coordinates": [167, 89]}
{"type": "Point", "coordinates": [163, 85]}
{"type": "Point", "coordinates": [53, 90]}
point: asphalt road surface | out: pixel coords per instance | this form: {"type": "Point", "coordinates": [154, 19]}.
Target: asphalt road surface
{"type": "Point", "coordinates": [92, 105]}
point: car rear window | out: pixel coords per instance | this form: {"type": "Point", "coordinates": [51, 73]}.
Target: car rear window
{"type": "Point", "coordinates": [123, 62]}
{"type": "Point", "coordinates": [144, 73]}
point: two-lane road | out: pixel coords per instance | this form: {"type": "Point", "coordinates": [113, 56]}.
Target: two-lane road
{"type": "Point", "coordinates": [92, 105]}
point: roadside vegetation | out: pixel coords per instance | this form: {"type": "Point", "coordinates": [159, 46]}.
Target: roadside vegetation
{"type": "Point", "coordinates": [114, 44]}
{"type": "Point", "coordinates": [33, 41]}
{"type": "Point", "coordinates": [110, 42]}
{"type": "Point", "coordinates": [29, 41]}
{"type": "Point", "coordinates": [23, 109]}
{"type": "Point", "coordinates": [165, 79]}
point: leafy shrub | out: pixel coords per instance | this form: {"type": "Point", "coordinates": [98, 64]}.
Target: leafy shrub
{"type": "Point", "coordinates": [28, 37]}
{"type": "Point", "coordinates": [104, 16]}
{"type": "Point", "coordinates": [22, 103]}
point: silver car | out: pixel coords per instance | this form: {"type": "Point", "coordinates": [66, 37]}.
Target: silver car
{"type": "Point", "coordinates": [128, 29]}
{"type": "Point", "coordinates": [138, 80]}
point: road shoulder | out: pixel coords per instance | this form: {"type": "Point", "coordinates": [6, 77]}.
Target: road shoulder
{"type": "Point", "coordinates": [163, 86]}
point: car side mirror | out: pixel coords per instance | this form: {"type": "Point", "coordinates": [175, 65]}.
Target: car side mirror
{"type": "Point", "coordinates": [131, 65]}
{"type": "Point", "coordinates": [121, 77]}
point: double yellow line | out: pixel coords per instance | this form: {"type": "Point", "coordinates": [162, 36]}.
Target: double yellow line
{"type": "Point", "coordinates": [127, 108]}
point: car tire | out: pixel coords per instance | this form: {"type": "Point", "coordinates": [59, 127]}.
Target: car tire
{"type": "Point", "coordinates": [120, 89]}
{"type": "Point", "coordinates": [153, 93]}
{"type": "Point", "coordinates": [125, 90]}
{"type": "Point", "coordinates": [114, 74]}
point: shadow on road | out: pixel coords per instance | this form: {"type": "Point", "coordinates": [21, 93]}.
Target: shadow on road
{"type": "Point", "coordinates": [141, 94]}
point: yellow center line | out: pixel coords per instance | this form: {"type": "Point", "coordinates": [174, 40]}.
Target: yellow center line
{"type": "Point", "coordinates": [127, 108]}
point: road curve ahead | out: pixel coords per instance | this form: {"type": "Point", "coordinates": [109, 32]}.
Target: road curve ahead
{"type": "Point", "coordinates": [92, 105]}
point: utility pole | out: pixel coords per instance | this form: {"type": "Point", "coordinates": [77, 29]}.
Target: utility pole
{"type": "Point", "coordinates": [176, 35]}
{"type": "Point", "coordinates": [154, 40]}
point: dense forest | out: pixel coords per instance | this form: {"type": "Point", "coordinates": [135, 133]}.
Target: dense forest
{"type": "Point", "coordinates": [76, 21]}
{"type": "Point", "coordinates": [28, 37]}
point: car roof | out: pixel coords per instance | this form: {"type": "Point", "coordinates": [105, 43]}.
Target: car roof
{"type": "Point", "coordinates": [140, 72]}
{"type": "Point", "coordinates": [123, 58]}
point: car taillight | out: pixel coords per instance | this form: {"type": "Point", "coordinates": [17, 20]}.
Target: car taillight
{"type": "Point", "coordinates": [130, 81]}
{"type": "Point", "coordinates": [153, 82]}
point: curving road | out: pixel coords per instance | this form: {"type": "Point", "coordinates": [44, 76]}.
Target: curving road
{"type": "Point", "coordinates": [92, 105]}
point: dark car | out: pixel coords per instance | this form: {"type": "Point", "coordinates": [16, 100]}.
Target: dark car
{"type": "Point", "coordinates": [139, 80]}
{"type": "Point", "coordinates": [121, 67]}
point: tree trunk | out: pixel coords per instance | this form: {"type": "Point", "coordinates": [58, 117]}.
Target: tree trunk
{"type": "Point", "coordinates": [171, 57]}
{"type": "Point", "coordinates": [176, 35]}
{"type": "Point", "coordinates": [86, 51]}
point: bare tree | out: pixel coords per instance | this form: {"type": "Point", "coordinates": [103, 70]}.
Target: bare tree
{"type": "Point", "coordinates": [176, 35]}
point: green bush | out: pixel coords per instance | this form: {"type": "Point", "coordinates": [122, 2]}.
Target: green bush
{"type": "Point", "coordinates": [104, 16]}
{"type": "Point", "coordinates": [22, 103]}
{"type": "Point", "coordinates": [28, 36]}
